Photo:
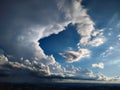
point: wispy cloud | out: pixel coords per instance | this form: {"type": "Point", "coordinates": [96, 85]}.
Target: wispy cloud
{"type": "Point", "coordinates": [108, 51]}
{"type": "Point", "coordinates": [113, 62]}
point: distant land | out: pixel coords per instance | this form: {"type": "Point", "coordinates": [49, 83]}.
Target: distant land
{"type": "Point", "coordinates": [62, 85]}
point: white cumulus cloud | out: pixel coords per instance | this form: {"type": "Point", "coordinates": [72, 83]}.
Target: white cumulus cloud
{"type": "Point", "coordinates": [98, 65]}
{"type": "Point", "coordinates": [85, 26]}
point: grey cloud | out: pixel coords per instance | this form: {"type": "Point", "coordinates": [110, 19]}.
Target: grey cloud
{"type": "Point", "coordinates": [73, 56]}
{"type": "Point", "coordinates": [6, 64]}
{"type": "Point", "coordinates": [3, 59]}
{"type": "Point", "coordinates": [24, 72]}
{"type": "Point", "coordinates": [25, 28]}
{"type": "Point", "coordinates": [69, 55]}
{"type": "Point", "coordinates": [25, 22]}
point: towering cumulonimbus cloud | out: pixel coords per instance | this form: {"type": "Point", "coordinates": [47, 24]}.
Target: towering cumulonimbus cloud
{"type": "Point", "coordinates": [25, 23]}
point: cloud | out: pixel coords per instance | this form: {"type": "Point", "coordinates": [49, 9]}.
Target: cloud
{"type": "Point", "coordinates": [77, 14]}
{"type": "Point", "coordinates": [98, 65]}
{"type": "Point", "coordinates": [97, 38]}
{"type": "Point", "coordinates": [25, 23]}
{"type": "Point", "coordinates": [108, 51]}
{"type": "Point", "coordinates": [114, 62]}
{"type": "Point", "coordinates": [97, 41]}
{"type": "Point", "coordinates": [3, 59]}
{"type": "Point", "coordinates": [83, 73]}
{"type": "Point", "coordinates": [85, 26]}
{"type": "Point", "coordinates": [118, 24]}
{"type": "Point", "coordinates": [46, 67]}
{"type": "Point", "coordinates": [115, 78]}
{"type": "Point", "coordinates": [27, 26]}
{"type": "Point", "coordinates": [118, 37]}
{"type": "Point", "coordinates": [26, 64]}
{"type": "Point", "coordinates": [36, 71]}
{"type": "Point", "coordinates": [73, 56]}
{"type": "Point", "coordinates": [102, 77]}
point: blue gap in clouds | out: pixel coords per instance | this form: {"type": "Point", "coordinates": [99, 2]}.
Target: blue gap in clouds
{"type": "Point", "coordinates": [58, 43]}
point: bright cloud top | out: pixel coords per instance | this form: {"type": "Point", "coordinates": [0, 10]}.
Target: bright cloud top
{"type": "Point", "coordinates": [98, 65]}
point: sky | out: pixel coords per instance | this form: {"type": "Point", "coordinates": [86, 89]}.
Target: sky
{"type": "Point", "coordinates": [59, 39]}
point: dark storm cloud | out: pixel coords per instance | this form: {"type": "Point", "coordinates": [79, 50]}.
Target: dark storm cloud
{"type": "Point", "coordinates": [17, 17]}
{"type": "Point", "coordinates": [23, 23]}
{"type": "Point", "coordinates": [12, 74]}
{"type": "Point", "coordinates": [20, 72]}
